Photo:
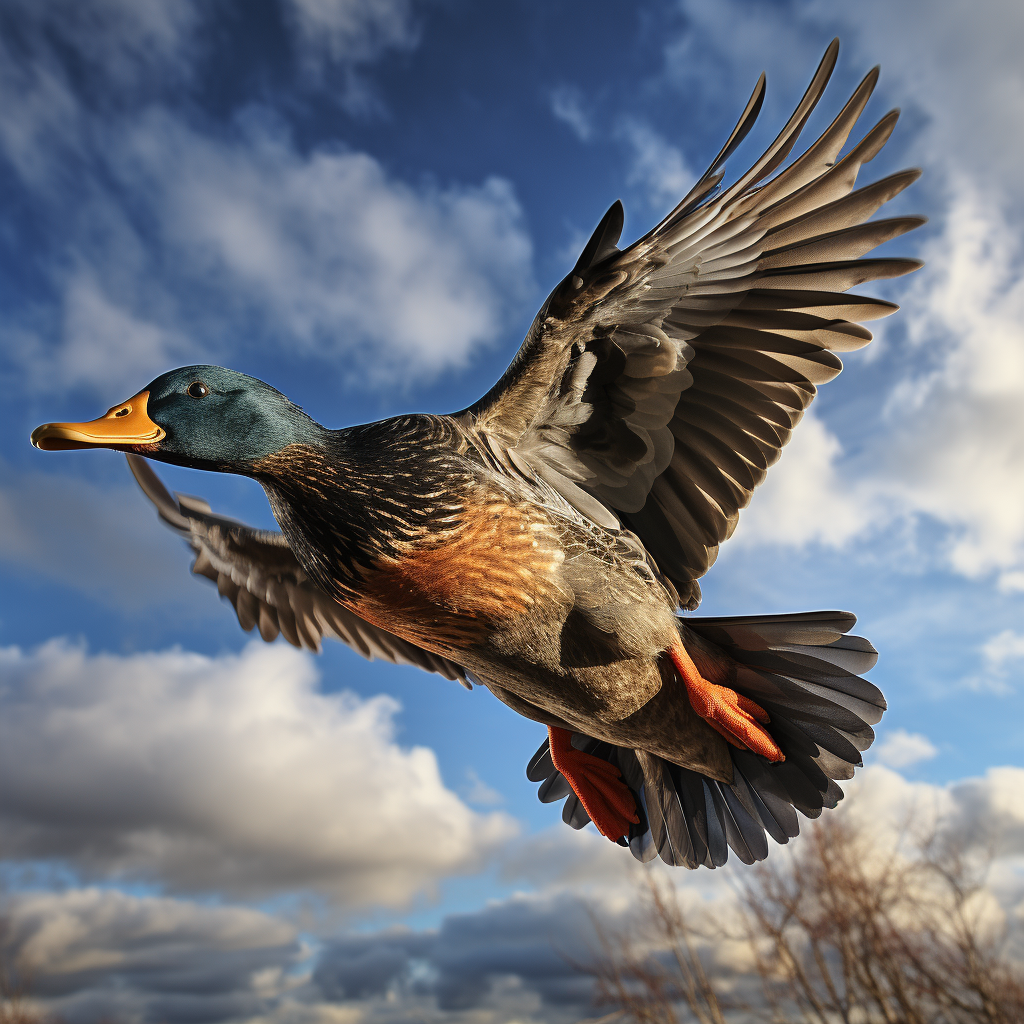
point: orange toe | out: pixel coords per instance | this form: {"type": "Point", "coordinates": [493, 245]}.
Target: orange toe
{"type": "Point", "coordinates": [598, 784]}
{"type": "Point", "coordinates": [739, 719]}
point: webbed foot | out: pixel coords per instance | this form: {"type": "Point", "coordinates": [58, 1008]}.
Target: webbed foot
{"type": "Point", "coordinates": [739, 719]}
{"type": "Point", "coordinates": [598, 784]}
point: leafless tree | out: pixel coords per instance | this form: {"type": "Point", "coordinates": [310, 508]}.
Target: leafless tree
{"type": "Point", "coordinates": [15, 1003]}
{"type": "Point", "coordinates": [840, 933]}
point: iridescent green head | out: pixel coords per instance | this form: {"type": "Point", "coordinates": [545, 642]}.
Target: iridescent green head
{"type": "Point", "coordinates": [206, 417]}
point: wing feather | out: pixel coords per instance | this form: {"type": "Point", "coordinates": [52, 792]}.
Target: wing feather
{"type": "Point", "coordinates": [659, 383]}
{"type": "Point", "coordinates": [257, 572]}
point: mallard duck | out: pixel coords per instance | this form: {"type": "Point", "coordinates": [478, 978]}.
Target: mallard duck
{"type": "Point", "coordinates": [545, 541]}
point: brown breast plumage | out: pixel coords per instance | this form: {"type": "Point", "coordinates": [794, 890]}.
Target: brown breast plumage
{"type": "Point", "coordinates": [449, 590]}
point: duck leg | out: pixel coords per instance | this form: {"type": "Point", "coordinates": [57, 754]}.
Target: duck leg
{"type": "Point", "coordinates": [597, 783]}
{"type": "Point", "coordinates": [737, 718]}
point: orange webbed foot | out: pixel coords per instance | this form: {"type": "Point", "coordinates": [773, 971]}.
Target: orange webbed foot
{"type": "Point", "coordinates": [598, 784]}
{"type": "Point", "coordinates": [739, 719]}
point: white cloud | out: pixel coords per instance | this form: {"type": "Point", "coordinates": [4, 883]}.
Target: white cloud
{"type": "Point", "coordinates": [512, 959]}
{"type": "Point", "coordinates": [567, 105]}
{"type": "Point", "coordinates": [959, 63]}
{"type": "Point", "coordinates": [175, 241]}
{"type": "Point", "coordinates": [87, 930]}
{"type": "Point", "coordinates": [170, 958]}
{"type": "Point", "coordinates": [476, 791]}
{"type": "Point", "coordinates": [254, 241]}
{"type": "Point", "coordinates": [956, 449]}
{"type": "Point", "coordinates": [998, 654]}
{"type": "Point", "coordinates": [99, 334]}
{"type": "Point", "coordinates": [1011, 582]}
{"type": "Point", "coordinates": [39, 115]}
{"type": "Point", "coordinates": [989, 813]}
{"type": "Point", "coordinates": [806, 499]}
{"type": "Point", "coordinates": [230, 774]}
{"type": "Point", "coordinates": [529, 944]}
{"type": "Point", "coordinates": [948, 444]}
{"type": "Point", "coordinates": [944, 442]}
{"type": "Point", "coordinates": [351, 30]}
{"type": "Point", "coordinates": [331, 253]}
{"type": "Point", "coordinates": [334, 38]}
{"type": "Point", "coordinates": [121, 47]}
{"type": "Point", "coordinates": [1004, 647]}
{"type": "Point", "coordinates": [901, 749]}
{"type": "Point", "coordinates": [656, 167]}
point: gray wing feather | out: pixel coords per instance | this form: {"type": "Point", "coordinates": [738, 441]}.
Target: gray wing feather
{"type": "Point", "coordinates": [257, 572]}
{"type": "Point", "coordinates": [659, 383]}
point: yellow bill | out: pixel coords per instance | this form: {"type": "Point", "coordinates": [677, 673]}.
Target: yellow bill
{"type": "Point", "coordinates": [123, 425]}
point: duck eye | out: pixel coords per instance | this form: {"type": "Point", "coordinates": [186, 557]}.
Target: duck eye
{"type": "Point", "coordinates": [197, 389]}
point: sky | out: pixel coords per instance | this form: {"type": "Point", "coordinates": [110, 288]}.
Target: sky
{"type": "Point", "coordinates": [364, 202]}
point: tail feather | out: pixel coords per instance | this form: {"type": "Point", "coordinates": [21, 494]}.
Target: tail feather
{"type": "Point", "coordinates": [668, 822]}
{"type": "Point", "coordinates": [541, 766]}
{"type": "Point", "coordinates": [805, 671]}
{"type": "Point", "coordinates": [553, 788]}
{"type": "Point", "coordinates": [707, 843]}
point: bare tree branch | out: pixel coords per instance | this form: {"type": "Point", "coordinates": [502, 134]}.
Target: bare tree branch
{"type": "Point", "coordinates": [839, 933]}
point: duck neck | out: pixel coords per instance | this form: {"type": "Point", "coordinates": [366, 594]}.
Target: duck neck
{"type": "Point", "coordinates": [355, 496]}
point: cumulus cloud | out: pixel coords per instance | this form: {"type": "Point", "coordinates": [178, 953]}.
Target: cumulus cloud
{"type": "Point", "coordinates": [805, 498]}
{"type": "Point", "coordinates": [1003, 648]}
{"type": "Point", "coordinates": [968, 114]}
{"type": "Point", "coordinates": [250, 239]}
{"type": "Point", "coordinates": [525, 944]}
{"type": "Point", "coordinates": [901, 749]}
{"type": "Point", "coordinates": [174, 238]}
{"type": "Point", "coordinates": [1000, 656]}
{"type": "Point", "coordinates": [530, 945]}
{"type": "Point", "coordinates": [476, 791]}
{"type": "Point", "coordinates": [515, 958]}
{"type": "Point", "coordinates": [231, 774]}
{"type": "Point", "coordinates": [171, 959]}
{"type": "Point", "coordinates": [331, 252]}
{"type": "Point", "coordinates": [118, 49]}
{"type": "Point", "coordinates": [104, 342]}
{"type": "Point", "coordinates": [956, 451]}
{"type": "Point", "coordinates": [93, 953]}
{"type": "Point", "coordinates": [325, 252]}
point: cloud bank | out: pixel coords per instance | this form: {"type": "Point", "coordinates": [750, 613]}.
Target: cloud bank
{"type": "Point", "coordinates": [173, 237]}
{"type": "Point", "coordinates": [515, 958]}
{"type": "Point", "coordinates": [231, 774]}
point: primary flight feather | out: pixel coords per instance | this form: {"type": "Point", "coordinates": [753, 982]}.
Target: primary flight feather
{"type": "Point", "coordinates": [543, 541]}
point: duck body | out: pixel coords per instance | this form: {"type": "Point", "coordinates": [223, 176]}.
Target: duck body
{"type": "Point", "coordinates": [563, 620]}
{"type": "Point", "coordinates": [546, 541]}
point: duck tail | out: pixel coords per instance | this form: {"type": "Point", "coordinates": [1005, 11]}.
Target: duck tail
{"type": "Point", "coordinates": [805, 671]}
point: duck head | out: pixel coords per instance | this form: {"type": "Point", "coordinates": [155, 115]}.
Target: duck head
{"type": "Point", "coordinates": [205, 417]}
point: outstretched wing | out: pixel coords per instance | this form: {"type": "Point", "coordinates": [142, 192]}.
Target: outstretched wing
{"type": "Point", "coordinates": [258, 573]}
{"type": "Point", "coordinates": [658, 383]}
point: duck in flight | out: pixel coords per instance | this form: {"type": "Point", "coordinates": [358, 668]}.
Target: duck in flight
{"type": "Point", "coordinates": [544, 542]}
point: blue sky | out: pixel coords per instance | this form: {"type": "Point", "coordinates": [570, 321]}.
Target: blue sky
{"type": "Point", "coordinates": [363, 202]}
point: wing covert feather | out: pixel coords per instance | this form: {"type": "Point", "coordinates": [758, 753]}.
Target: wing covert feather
{"type": "Point", "coordinates": [658, 383]}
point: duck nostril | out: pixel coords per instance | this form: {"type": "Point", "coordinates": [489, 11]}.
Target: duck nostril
{"type": "Point", "coordinates": [123, 412]}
